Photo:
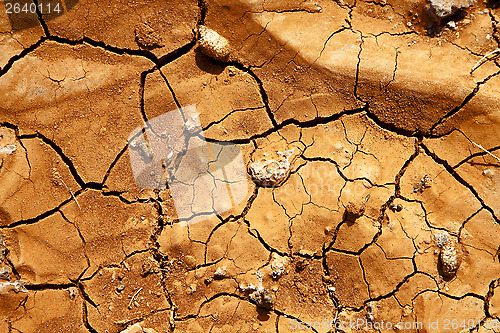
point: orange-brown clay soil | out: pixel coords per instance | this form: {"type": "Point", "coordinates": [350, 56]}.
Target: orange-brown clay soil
{"type": "Point", "coordinates": [384, 207]}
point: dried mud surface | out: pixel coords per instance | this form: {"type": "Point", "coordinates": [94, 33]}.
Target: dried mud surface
{"type": "Point", "coordinates": [390, 211]}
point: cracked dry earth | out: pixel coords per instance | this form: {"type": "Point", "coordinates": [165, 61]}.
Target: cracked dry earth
{"type": "Point", "coordinates": [388, 212]}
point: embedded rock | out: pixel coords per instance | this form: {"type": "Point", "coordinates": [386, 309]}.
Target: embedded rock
{"type": "Point", "coordinates": [450, 258]}
{"type": "Point", "coordinates": [445, 8]}
{"type": "Point", "coordinates": [271, 172]}
{"type": "Point", "coordinates": [213, 45]}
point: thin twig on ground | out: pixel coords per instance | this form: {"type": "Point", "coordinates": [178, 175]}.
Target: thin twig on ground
{"type": "Point", "coordinates": [480, 60]}
{"type": "Point", "coordinates": [486, 151]}
{"type": "Point", "coordinates": [133, 297]}
{"type": "Point", "coordinates": [74, 198]}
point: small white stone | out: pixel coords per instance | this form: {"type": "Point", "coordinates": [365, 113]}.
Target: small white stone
{"type": "Point", "coordinates": [277, 267]}
{"type": "Point", "coordinates": [250, 287]}
{"type": "Point", "coordinates": [450, 258]}
{"type": "Point", "coordinates": [441, 239]}
{"type": "Point", "coordinates": [221, 272]}
{"type": "Point", "coordinates": [72, 292]}
{"type": "Point", "coordinates": [213, 45]}
{"type": "Point", "coordinates": [192, 124]}
{"type": "Point", "coordinates": [169, 156]}
{"type": "Point", "coordinates": [271, 172]}
{"type": "Point", "coordinates": [192, 288]}
{"type": "Point", "coordinates": [488, 173]}
{"type": "Point", "coordinates": [17, 286]}
{"type": "Point", "coordinates": [9, 149]}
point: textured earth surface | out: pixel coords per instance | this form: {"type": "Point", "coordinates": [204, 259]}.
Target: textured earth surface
{"type": "Point", "coordinates": [386, 211]}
